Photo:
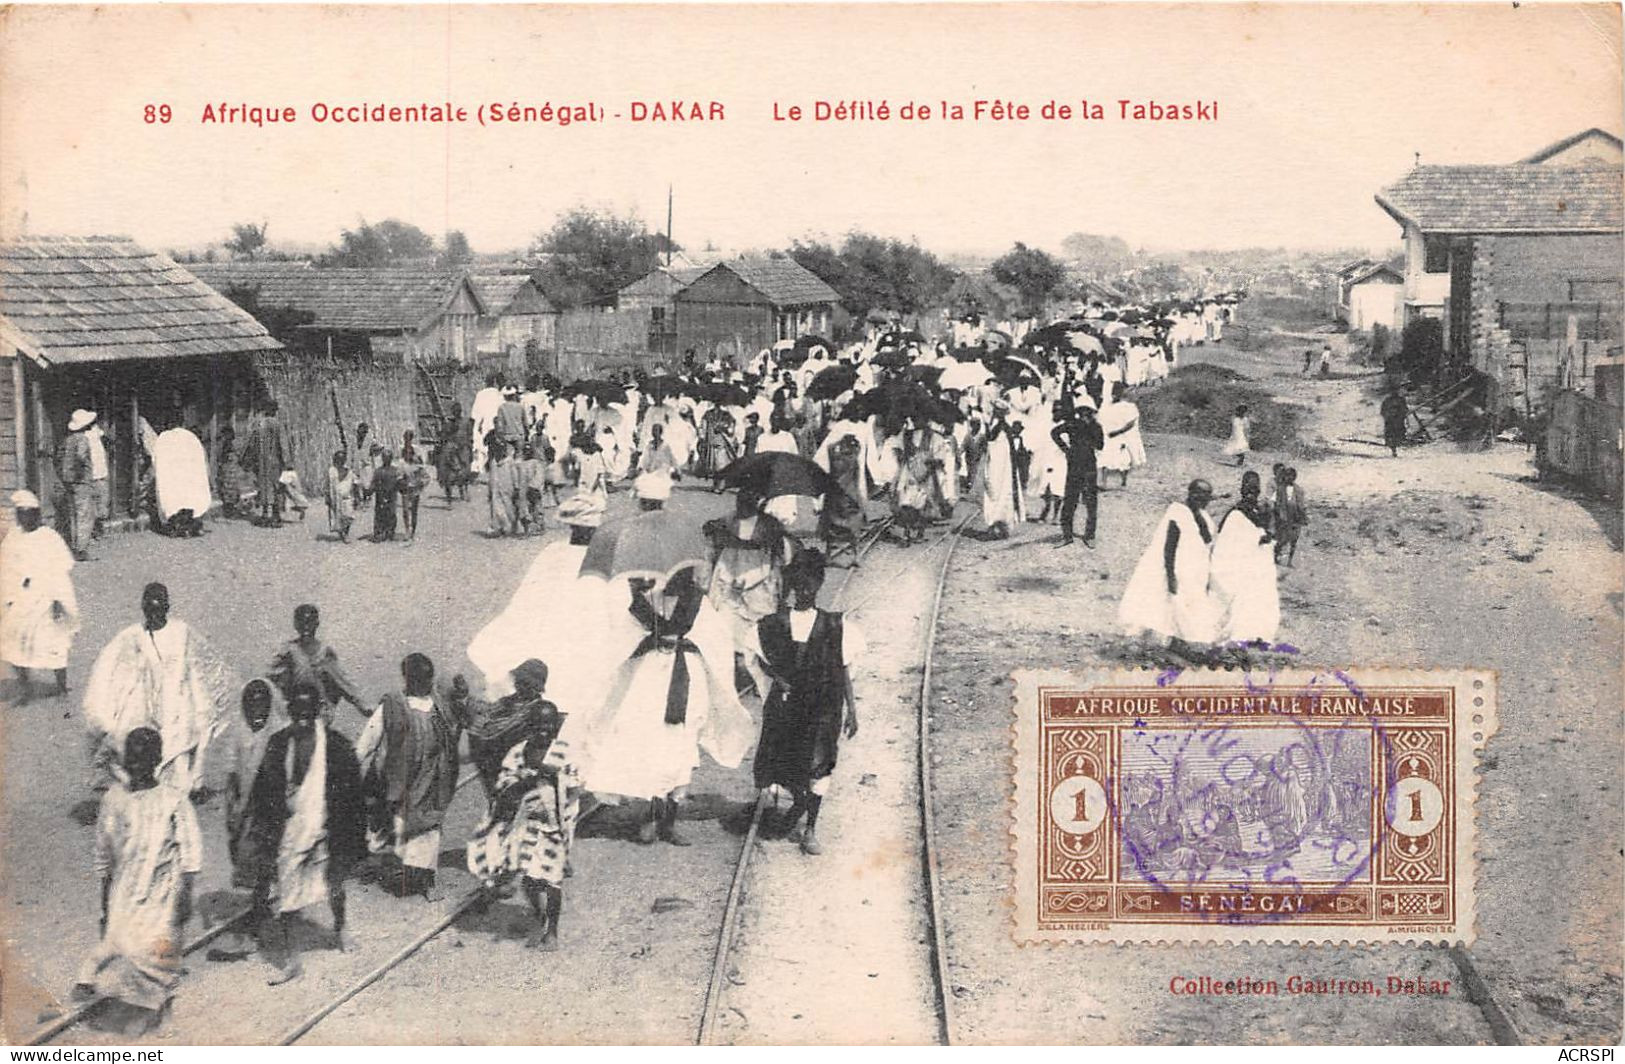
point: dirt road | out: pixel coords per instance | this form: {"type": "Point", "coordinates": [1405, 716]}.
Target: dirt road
{"type": "Point", "coordinates": [1435, 558]}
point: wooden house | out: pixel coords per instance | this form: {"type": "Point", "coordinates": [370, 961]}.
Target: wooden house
{"type": "Point", "coordinates": [652, 298]}
{"type": "Point", "coordinates": [410, 314]}
{"type": "Point", "coordinates": [1531, 256]}
{"type": "Point", "coordinates": [1371, 296]}
{"type": "Point", "coordinates": [519, 328]}
{"type": "Point", "coordinates": [739, 307]}
{"type": "Point", "coordinates": [102, 324]}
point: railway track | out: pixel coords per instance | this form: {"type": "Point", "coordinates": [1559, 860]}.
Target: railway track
{"type": "Point", "coordinates": [738, 891]}
{"type": "Point", "coordinates": [1502, 1029]}
{"type": "Point", "coordinates": [728, 929]}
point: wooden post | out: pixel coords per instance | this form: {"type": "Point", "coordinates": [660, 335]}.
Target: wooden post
{"type": "Point", "coordinates": [136, 450]}
{"type": "Point", "coordinates": [24, 441]}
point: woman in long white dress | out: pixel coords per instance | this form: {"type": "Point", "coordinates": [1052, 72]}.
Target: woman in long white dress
{"type": "Point", "coordinates": [1003, 502]}
{"type": "Point", "coordinates": [1243, 579]}
{"type": "Point", "coordinates": [670, 698]}
{"type": "Point", "coordinates": [1168, 592]}
{"type": "Point", "coordinates": [1238, 445]}
{"type": "Point", "coordinates": [1124, 450]}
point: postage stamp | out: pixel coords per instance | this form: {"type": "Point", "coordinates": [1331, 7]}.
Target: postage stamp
{"type": "Point", "coordinates": [1243, 806]}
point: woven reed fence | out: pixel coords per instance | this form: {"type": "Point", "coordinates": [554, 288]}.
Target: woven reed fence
{"type": "Point", "coordinates": [390, 397]}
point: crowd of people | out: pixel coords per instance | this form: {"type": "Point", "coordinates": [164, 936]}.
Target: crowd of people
{"type": "Point", "coordinates": [613, 666]}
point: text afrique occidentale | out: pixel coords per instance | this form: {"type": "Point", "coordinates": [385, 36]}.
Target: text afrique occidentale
{"type": "Point", "coordinates": [448, 113]}
{"type": "Point", "coordinates": [711, 111]}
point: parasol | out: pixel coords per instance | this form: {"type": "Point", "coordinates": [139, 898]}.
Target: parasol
{"type": "Point", "coordinates": [832, 382]}
{"type": "Point", "coordinates": [891, 358]}
{"type": "Point", "coordinates": [724, 394]}
{"type": "Point", "coordinates": [778, 473]}
{"type": "Point", "coordinates": [664, 387]}
{"type": "Point", "coordinates": [600, 391]}
{"type": "Point", "coordinates": [811, 344]}
{"type": "Point", "coordinates": [653, 544]}
{"type": "Point", "coordinates": [1088, 343]}
{"type": "Point", "coordinates": [926, 375]}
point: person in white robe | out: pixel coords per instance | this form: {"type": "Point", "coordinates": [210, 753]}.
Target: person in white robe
{"type": "Point", "coordinates": [859, 431]}
{"type": "Point", "coordinates": [307, 828]}
{"type": "Point", "coordinates": [181, 473]}
{"type": "Point", "coordinates": [1125, 448]}
{"type": "Point", "coordinates": [158, 674]}
{"type": "Point", "coordinates": [671, 697]}
{"type": "Point", "coordinates": [483, 412]}
{"type": "Point", "coordinates": [792, 511]}
{"type": "Point", "coordinates": [1244, 580]}
{"type": "Point", "coordinates": [1003, 500]}
{"type": "Point", "coordinates": [1046, 476]}
{"type": "Point", "coordinates": [1238, 445]}
{"type": "Point", "coordinates": [148, 853]}
{"type": "Point", "coordinates": [39, 612]}
{"type": "Point", "coordinates": [1168, 591]}
{"type": "Point", "coordinates": [555, 614]}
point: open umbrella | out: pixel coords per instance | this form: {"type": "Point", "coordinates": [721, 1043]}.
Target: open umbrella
{"type": "Point", "coordinates": [964, 375]}
{"type": "Point", "coordinates": [664, 387]}
{"type": "Point", "coordinates": [998, 338]}
{"type": "Point", "coordinates": [811, 344]}
{"type": "Point", "coordinates": [793, 356]}
{"type": "Point", "coordinates": [653, 544]}
{"type": "Point", "coordinates": [777, 473]}
{"type": "Point", "coordinates": [601, 391]}
{"type": "Point", "coordinates": [897, 400]}
{"type": "Point", "coordinates": [832, 382]}
{"type": "Point", "coordinates": [892, 358]}
{"type": "Point", "coordinates": [926, 375]}
{"type": "Point", "coordinates": [724, 394]}
{"type": "Point", "coordinates": [1088, 343]}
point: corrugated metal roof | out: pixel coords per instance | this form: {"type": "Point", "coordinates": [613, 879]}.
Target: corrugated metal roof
{"type": "Point", "coordinates": [107, 299]}
{"type": "Point", "coordinates": [1511, 198]}
{"type": "Point", "coordinates": [384, 299]}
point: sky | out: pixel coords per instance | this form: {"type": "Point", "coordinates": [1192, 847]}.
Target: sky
{"type": "Point", "coordinates": [1319, 106]}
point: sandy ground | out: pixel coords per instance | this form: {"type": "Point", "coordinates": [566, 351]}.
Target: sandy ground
{"type": "Point", "coordinates": [1436, 558]}
{"type": "Point", "coordinates": [832, 948]}
{"type": "Point", "coordinates": [639, 923]}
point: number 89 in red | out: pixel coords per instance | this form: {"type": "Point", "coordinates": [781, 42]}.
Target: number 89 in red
{"type": "Point", "coordinates": [159, 113]}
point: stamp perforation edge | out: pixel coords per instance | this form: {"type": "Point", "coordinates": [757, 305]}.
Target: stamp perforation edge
{"type": "Point", "coordinates": [1473, 725]}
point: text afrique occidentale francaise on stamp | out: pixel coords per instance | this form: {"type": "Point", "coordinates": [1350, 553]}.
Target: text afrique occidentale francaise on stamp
{"type": "Point", "coordinates": [668, 111]}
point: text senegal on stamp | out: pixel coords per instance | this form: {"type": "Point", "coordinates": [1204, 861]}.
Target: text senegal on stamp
{"type": "Point", "coordinates": [1233, 806]}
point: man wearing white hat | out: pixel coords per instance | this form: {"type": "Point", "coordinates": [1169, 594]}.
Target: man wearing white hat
{"type": "Point", "coordinates": [39, 613]}
{"type": "Point", "coordinates": [76, 471]}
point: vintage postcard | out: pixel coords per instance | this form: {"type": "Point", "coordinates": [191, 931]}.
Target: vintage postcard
{"type": "Point", "coordinates": [810, 524]}
{"type": "Point", "coordinates": [1219, 806]}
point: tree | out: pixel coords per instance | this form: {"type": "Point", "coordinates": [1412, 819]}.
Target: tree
{"type": "Point", "coordinates": [592, 254]}
{"type": "Point", "coordinates": [282, 322]}
{"type": "Point", "coordinates": [870, 272]}
{"type": "Point", "coordinates": [390, 242]}
{"type": "Point", "coordinates": [1031, 272]}
{"type": "Point", "coordinates": [247, 240]}
{"type": "Point", "coordinates": [456, 252]}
